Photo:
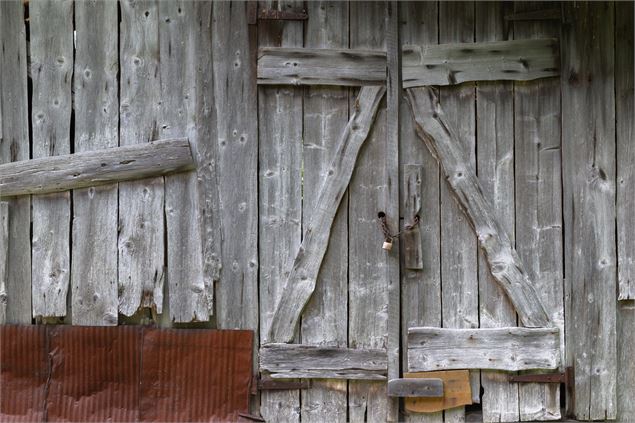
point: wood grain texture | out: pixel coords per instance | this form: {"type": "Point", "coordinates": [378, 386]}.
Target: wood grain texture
{"type": "Point", "coordinates": [187, 93]}
{"type": "Point", "coordinates": [101, 166]}
{"type": "Point", "coordinates": [14, 146]}
{"type": "Point", "coordinates": [368, 294]}
{"type": "Point", "coordinates": [414, 388]}
{"type": "Point", "coordinates": [588, 155]}
{"type": "Point", "coordinates": [305, 266]}
{"type": "Point", "coordinates": [51, 48]}
{"type": "Point", "coordinates": [502, 258]}
{"type": "Point", "coordinates": [289, 361]}
{"type": "Point", "coordinates": [325, 317]}
{"type": "Point", "coordinates": [411, 237]}
{"type": "Point", "coordinates": [4, 259]}
{"type": "Point", "coordinates": [509, 349]}
{"type": "Point", "coordinates": [495, 168]}
{"type": "Point", "coordinates": [456, 393]}
{"type": "Point", "coordinates": [624, 92]}
{"type": "Point", "coordinates": [280, 194]}
{"type": "Point", "coordinates": [420, 289]}
{"type": "Point", "coordinates": [94, 230]}
{"type": "Point", "coordinates": [141, 226]}
{"type": "Point", "coordinates": [445, 64]}
{"type": "Point", "coordinates": [538, 173]}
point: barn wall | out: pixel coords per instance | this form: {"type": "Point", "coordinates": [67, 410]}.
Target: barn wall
{"type": "Point", "coordinates": [555, 156]}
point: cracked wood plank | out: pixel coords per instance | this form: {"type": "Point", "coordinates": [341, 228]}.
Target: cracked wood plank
{"type": "Point", "coordinates": [510, 349]}
{"type": "Point", "coordinates": [502, 258]}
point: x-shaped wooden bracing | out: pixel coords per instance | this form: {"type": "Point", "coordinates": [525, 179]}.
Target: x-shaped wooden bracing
{"type": "Point", "coordinates": [459, 63]}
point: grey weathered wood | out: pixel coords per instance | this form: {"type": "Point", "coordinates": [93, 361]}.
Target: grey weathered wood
{"type": "Point", "coordinates": [411, 238]}
{"type": "Point", "coordinates": [508, 349]}
{"type": "Point", "coordinates": [420, 289]}
{"type": "Point", "coordinates": [51, 42]}
{"type": "Point", "coordinates": [502, 258]}
{"type": "Point", "coordinates": [495, 164]}
{"type": "Point", "coordinates": [186, 98]}
{"type": "Point", "coordinates": [4, 259]}
{"type": "Point", "coordinates": [94, 230]}
{"type": "Point", "coordinates": [588, 156]}
{"type": "Point", "coordinates": [306, 264]}
{"type": "Point", "coordinates": [141, 225]}
{"type": "Point", "coordinates": [325, 317]}
{"type": "Point", "coordinates": [280, 194]}
{"type": "Point", "coordinates": [368, 295]}
{"type": "Point", "coordinates": [539, 203]}
{"type": "Point", "coordinates": [459, 251]}
{"type": "Point", "coordinates": [418, 388]}
{"type": "Point", "coordinates": [94, 167]}
{"type": "Point", "coordinates": [445, 64]}
{"type": "Point", "coordinates": [542, 12]}
{"type": "Point", "coordinates": [14, 145]}
{"type": "Point", "coordinates": [289, 361]}
{"type": "Point", "coordinates": [624, 91]}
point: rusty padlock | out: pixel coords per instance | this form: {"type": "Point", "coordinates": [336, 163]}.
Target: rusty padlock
{"type": "Point", "coordinates": [387, 244]}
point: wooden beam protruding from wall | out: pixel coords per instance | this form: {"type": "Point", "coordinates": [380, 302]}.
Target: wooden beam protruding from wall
{"type": "Point", "coordinates": [505, 265]}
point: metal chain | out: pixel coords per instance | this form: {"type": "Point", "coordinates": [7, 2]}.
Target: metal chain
{"type": "Point", "coordinates": [386, 230]}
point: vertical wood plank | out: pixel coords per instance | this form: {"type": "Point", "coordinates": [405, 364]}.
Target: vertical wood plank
{"type": "Point", "coordinates": [185, 68]}
{"type": "Point", "coordinates": [141, 222]}
{"type": "Point", "coordinates": [495, 167]}
{"type": "Point", "coordinates": [14, 146]}
{"type": "Point", "coordinates": [4, 253]}
{"type": "Point", "coordinates": [588, 116]}
{"type": "Point", "coordinates": [368, 283]}
{"type": "Point", "coordinates": [539, 201]}
{"type": "Point", "coordinates": [420, 289]}
{"type": "Point", "coordinates": [324, 320]}
{"type": "Point", "coordinates": [459, 267]}
{"type": "Point", "coordinates": [94, 231]}
{"type": "Point", "coordinates": [280, 193]}
{"type": "Point", "coordinates": [624, 92]}
{"type": "Point", "coordinates": [51, 41]}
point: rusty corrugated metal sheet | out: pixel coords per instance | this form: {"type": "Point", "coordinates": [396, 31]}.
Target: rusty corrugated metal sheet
{"type": "Point", "coordinates": [23, 373]}
{"type": "Point", "coordinates": [94, 374]}
{"type": "Point", "coordinates": [207, 379]}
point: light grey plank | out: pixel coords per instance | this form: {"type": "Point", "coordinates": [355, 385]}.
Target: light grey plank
{"type": "Point", "coordinates": [419, 388]}
{"type": "Point", "coordinates": [539, 203]}
{"type": "Point", "coordinates": [4, 259]}
{"type": "Point", "coordinates": [187, 92]}
{"type": "Point", "coordinates": [624, 91]}
{"type": "Point", "coordinates": [141, 226]}
{"type": "Point", "coordinates": [588, 155]}
{"type": "Point", "coordinates": [280, 194]}
{"type": "Point", "coordinates": [94, 167]}
{"type": "Point", "coordinates": [502, 258]}
{"type": "Point", "coordinates": [445, 64]}
{"type": "Point", "coordinates": [420, 289]}
{"type": "Point", "coordinates": [325, 317]}
{"type": "Point", "coordinates": [306, 264]}
{"type": "Point", "coordinates": [459, 253]}
{"type": "Point", "coordinates": [15, 146]}
{"type": "Point", "coordinates": [495, 167]}
{"type": "Point", "coordinates": [411, 237]}
{"type": "Point", "coordinates": [51, 42]}
{"type": "Point", "coordinates": [368, 284]}
{"type": "Point", "coordinates": [508, 349]}
{"type": "Point", "coordinates": [288, 361]}
{"type": "Point", "coordinates": [94, 230]}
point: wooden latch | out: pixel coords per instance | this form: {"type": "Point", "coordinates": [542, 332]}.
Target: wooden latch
{"type": "Point", "coordinates": [254, 15]}
{"type": "Point", "coordinates": [456, 391]}
{"type": "Point", "coordinates": [417, 388]}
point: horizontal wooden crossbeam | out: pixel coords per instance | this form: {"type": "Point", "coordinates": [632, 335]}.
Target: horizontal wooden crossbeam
{"type": "Point", "coordinates": [79, 170]}
{"type": "Point", "coordinates": [306, 361]}
{"type": "Point", "coordinates": [444, 64]}
{"type": "Point", "coordinates": [511, 349]}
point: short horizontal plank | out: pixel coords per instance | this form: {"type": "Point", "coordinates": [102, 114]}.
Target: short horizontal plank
{"type": "Point", "coordinates": [92, 168]}
{"type": "Point", "coordinates": [444, 64]}
{"type": "Point", "coordinates": [512, 349]}
{"type": "Point", "coordinates": [416, 388]}
{"type": "Point", "coordinates": [306, 361]}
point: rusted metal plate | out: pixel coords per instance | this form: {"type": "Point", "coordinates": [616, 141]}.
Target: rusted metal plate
{"type": "Point", "coordinates": [23, 373]}
{"type": "Point", "coordinates": [456, 392]}
{"type": "Point", "coordinates": [207, 378]}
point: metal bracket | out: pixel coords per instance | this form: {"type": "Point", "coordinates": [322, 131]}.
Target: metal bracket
{"type": "Point", "coordinates": [268, 384]}
{"type": "Point", "coordinates": [567, 377]}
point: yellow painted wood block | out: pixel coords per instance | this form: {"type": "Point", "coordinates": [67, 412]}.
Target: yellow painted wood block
{"type": "Point", "coordinates": [456, 388]}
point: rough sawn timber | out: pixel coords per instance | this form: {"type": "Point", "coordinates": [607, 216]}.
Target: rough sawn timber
{"type": "Point", "coordinates": [510, 349]}
{"type": "Point", "coordinates": [427, 388]}
{"type": "Point", "coordinates": [95, 167]}
{"type": "Point", "coordinates": [306, 264]}
{"type": "Point", "coordinates": [306, 361]}
{"type": "Point", "coordinates": [502, 258]}
{"type": "Point", "coordinates": [422, 65]}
